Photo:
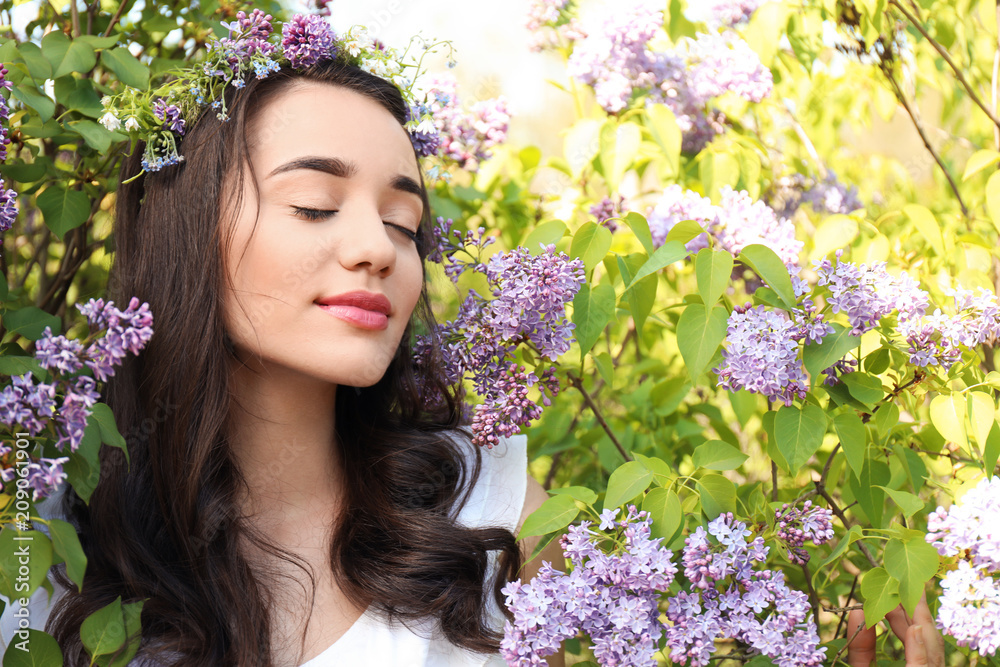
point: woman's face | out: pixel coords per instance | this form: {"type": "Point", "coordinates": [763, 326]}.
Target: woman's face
{"type": "Point", "coordinates": [330, 276]}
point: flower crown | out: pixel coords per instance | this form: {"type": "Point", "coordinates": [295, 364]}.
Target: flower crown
{"type": "Point", "coordinates": [160, 115]}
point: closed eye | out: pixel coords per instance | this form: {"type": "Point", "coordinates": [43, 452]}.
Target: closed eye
{"type": "Point", "coordinates": [313, 213]}
{"type": "Point", "coordinates": [410, 234]}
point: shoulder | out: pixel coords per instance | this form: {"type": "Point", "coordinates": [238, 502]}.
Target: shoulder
{"type": "Point", "coordinates": [498, 496]}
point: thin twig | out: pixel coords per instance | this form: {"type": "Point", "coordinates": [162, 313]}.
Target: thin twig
{"type": "Point", "coordinates": [813, 598]}
{"type": "Point", "coordinates": [74, 15]}
{"type": "Point", "coordinates": [774, 481]}
{"type": "Point", "coordinates": [923, 137]}
{"type": "Point", "coordinates": [575, 381]}
{"type": "Point", "coordinates": [947, 58]}
{"type": "Point", "coordinates": [844, 647]}
{"type": "Point", "coordinates": [843, 615]}
{"type": "Point", "coordinates": [118, 15]}
{"type": "Point", "coordinates": [841, 610]}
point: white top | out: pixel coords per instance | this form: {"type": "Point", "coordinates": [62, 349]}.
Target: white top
{"type": "Point", "coordinates": [496, 500]}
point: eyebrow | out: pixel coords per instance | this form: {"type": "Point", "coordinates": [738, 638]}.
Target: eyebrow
{"type": "Point", "coordinates": [345, 169]}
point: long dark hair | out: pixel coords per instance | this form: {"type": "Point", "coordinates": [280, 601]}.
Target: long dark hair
{"type": "Point", "coordinates": [166, 527]}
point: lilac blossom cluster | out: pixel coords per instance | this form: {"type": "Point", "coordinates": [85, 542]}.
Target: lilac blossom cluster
{"type": "Point", "coordinates": [614, 53]}
{"type": "Point", "coordinates": [466, 135]}
{"type": "Point", "coordinates": [867, 294]}
{"type": "Point", "coordinates": [826, 196]}
{"type": "Point", "coordinates": [606, 210]}
{"type": "Point", "coordinates": [796, 525]}
{"type": "Point", "coordinates": [8, 198]}
{"type": "Point", "coordinates": [738, 221]}
{"type": "Point", "coordinates": [32, 406]}
{"type": "Point", "coordinates": [612, 597]}
{"type": "Point", "coordinates": [731, 598]}
{"type": "Point", "coordinates": [937, 339]}
{"type": "Point", "coordinates": [762, 354]}
{"type": "Point", "coordinates": [727, 13]}
{"type": "Point", "coordinates": [543, 22]}
{"type": "Point", "coordinates": [306, 39]}
{"type": "Point", "coordinates": [970, 603]}
{"type": "Point", "coordinates": [528, 307]}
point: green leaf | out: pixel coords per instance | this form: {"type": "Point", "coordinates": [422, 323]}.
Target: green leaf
{"type": "Point", "coordinates": [98, 42]}
{"type": "Point", "coordinates": [547, 233]}
{"type": "Point", "coordinates": [591, 243]}
{"type": "Point", "coordinates": [991, 452]}
{"type": "Point", "coordinates": [744, 405]}
{"type": "Point", "coordinates": [619, 148]}
{"type": "Point", "coordinates": [20, 365]}
{"type": "Point", "coordinates": [798, 434]}
{"type": "Point", "coordinates": [878, 361]}
{"type": "Point", "coordinates": [640, 227]}
{"type": "Point", "coordinates": [913, 563]}
{"type": "Point", "coordinates": [886, 417]}
{"type": "Point", "coordinates": [126, 67]}
{"type": "Point", "coordinates": [867, 489]}
{"type": "Point", "coordinates": [626, 482]}
{"type": "Point", "coordinates": [30, 322]}
{"type": "Point", "coordinates": [15, 545]}
{"type": "Point", "coordinates": [38, 649]}
{"type": "Point", "coordinates": [38, 65]}
{"type": "Point", "coordinates": [909, 503]}
{"type": "Point", "coordinates": [641, 296]}
{"type": "Point", "coordinates": [555, 514]}
{"type": "Point", "coordinates": [592, 310]}
{"type": "Point", "coordinates": [84, 466]}
{"type": "Point", "coordinates": [103, 632]}
{"type": "Point", "coordinates": [29, 96]}
{"type": "Point", "coordinates": [948, 416]}
{"type": "Point", "coordinates": [927, 225]}
{"type": "Point", "coordinates": [63, 209]}
{"type": "Point", "coordinates": [605, 366]}
{"type": "Point", "coordinates": [817, 357]}
{"type": "Point", "coordinates": [581, 493]}
{"type": "Point", "coordinates": [981, 415]}
{"type": "Point", "coordinates": [665, 255]}
{"type": "Point", "coordinates": [718, 495]}
{"type": "Point", "coordinates": [664, 509]}
{"type": "Point", "coordinates": [713, 269]}
{"type": "Point", "coordinates": [67, 56]}
{"type": "Point", "coordinates": [915, 468]}
{"type": "Point", "coordinates": [662, 125]}
{"type": "Point", "coordinates": [981, 159]}
{"type": "Point", "coordinates": [718, 455]}
{"type": "Point", "coordinates": [95, 134]}
{"type": "Point", "coordinates": [699, 335]}
{"type": "Point", "coordinates": [66, 543]}
{"type": "Point", "coordinates": [853, 439]}
{"type": "Point", "coordinates": [881, 593]}
{"type": "Point", "coordinates": [684, 231]}
{"type": "Point", "coordinates": [769, 267]}
{"type": "Point", "coordinates": [101, 414]}
{"type": "Point", "coordinates": [132, 613]}
{"type": "Point", "coordinates": [864, 387]}
{"type": "Point", "coordinates": [662, 474]}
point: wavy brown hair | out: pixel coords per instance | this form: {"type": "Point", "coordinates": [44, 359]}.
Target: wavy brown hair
{"type": "Point", "coordinates": [166, 527]}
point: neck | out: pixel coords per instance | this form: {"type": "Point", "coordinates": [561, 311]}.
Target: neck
{"type": "Point", "coordinates": [281, 428]}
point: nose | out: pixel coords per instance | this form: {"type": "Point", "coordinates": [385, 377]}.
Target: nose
{"type": "Point", "coordinates": [365, 244]}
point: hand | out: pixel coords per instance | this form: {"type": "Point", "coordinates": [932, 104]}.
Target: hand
{"type": "Point", "coordinates": [922, 642]}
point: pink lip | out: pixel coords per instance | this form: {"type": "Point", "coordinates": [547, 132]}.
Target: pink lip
{"type": "Point", "coordinates": [365, 310]}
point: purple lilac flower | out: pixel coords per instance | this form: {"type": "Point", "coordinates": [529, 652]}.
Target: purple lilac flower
{"type": "Point", "coordinates": [425, 137]}
{"type": "Point", "coordinates": [8, 207]}
{"type": "Point", "coordinates": [728, 13]}
{"type": "Point", "coordinates": [825, 196]}
{"type": "Point", "coordinates": [612, 597]}
{"type": "Point", "coordinates": [607, 209]}
{"type": "Point", "coordinates": [28, 404]}
{"type": "Point", "coordinates": [970, 604]}
{"type": "Point", "coordinates": [248, 35]}
{"type": "Point", "coordinates": [542, 18]}
{"type": "Point", "coordinates": [721, 63]}
{"type": "Point", "coordinates": [306, 39]}
{"type": "Point", "coordinates": [866, 295]}
{"type": "Point", "coordinates": [761, 355]}
{"type": "Point", "coordinates": [58, 352]}
{"type": "Point", "coordinates": [170, 114]}
{"type": "Point", "coordinates": [44, 476]}
{"type": "Point", "coordinates": [938, 339]}
{"type": "Point", "coordinates": [797, 525]}
{"type": "Point", "coordinates": [730, 595]}
{"type": "Point", "coordinates": [467, 137]}
{"type": "Point", "coordinates": [530, 293]}
{"type": "Point", "coordinates": [736, 222]}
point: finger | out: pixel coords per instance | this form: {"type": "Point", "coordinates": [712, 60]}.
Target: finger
{"type": "Point", "coordinates": [933, 641]}
{"type": "Point", "coordinates": [916, 649]}
{"type": "Point", "coordinates": [898, 621]}
{"type": "Point", "coordinates": [861, 649]}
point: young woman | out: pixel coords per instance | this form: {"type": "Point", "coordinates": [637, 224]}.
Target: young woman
{"type": "Point", "coordinates": [288, 499]}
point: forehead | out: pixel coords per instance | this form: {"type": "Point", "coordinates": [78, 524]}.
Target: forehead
{"type": "Point", "coordinates": [318, 119]}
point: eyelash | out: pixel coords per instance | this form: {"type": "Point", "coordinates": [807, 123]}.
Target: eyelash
{"type": "Point", "coordinates": [314, 214]}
